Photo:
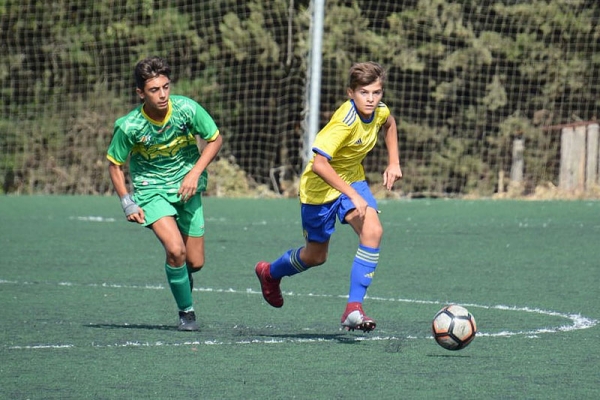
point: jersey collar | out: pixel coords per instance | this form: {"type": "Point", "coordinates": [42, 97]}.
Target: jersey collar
{"type": "Point", "coordinates": [167, 116]}
{"type": "Point", "coordinates": [366, 121]}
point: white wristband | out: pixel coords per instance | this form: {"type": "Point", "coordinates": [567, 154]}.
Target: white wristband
{"type": "Point", "coordinates": [129, 206]}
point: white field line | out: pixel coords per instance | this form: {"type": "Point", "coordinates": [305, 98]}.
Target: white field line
{"type": "Point", "coordinates": [577, 321]}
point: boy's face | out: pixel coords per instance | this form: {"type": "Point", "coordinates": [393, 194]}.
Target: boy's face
{"type": "Point", "coordinates": [366, 98]}
{"type": "Point", "coordinates": [156, 96]}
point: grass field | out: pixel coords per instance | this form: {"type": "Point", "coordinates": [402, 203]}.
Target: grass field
{"type": "Point", "coordinates": [86, 312]}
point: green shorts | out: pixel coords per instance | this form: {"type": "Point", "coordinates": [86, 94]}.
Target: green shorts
{"type": "Point", "coordinates": [189, 215]}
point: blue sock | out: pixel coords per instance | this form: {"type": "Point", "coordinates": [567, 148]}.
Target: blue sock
{"type": "Point", "coordinates": [363, 269]}
{"type": "Point", "coordinates": [288, 264]}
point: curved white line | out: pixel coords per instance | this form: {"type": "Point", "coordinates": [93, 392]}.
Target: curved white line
{"type": "Point", "coordinates": [578, 321]}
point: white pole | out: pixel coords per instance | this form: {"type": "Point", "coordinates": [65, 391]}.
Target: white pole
{"type": "Point", "coordinates": [314, 72]}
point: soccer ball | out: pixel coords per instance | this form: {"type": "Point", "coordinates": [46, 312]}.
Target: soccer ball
{"type": "Point", "coordinates": [453, 327]}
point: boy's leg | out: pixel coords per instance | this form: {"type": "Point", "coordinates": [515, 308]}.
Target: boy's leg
{"type": "Point", "coordinates": [190, 222]}
{"type": "Point", "coordinates": [318, 223]}
{"type": "Point", "coordinates": [365, 261]}
{"type": "Point", "coordinates": [160, 213]}
{"type": "Point", "coordinates": [195, 256]}
{"type": "Point", "coordinates": [361, 275]}
{"type": "Point", "coordinates": [191, 225]}
{"type": "Point", "coordinates": [288, 264]}
{"type": "Point", "coordinates": [180, 287]}
{"type": "Point", "coordinates": [167, 232]}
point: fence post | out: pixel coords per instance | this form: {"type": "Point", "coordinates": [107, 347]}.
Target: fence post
{"type": "Point", "coordinates": [579, 156]}
{"type": "Point", "coordinates": [565, 179]}
{"type": "Point", "coordinates": [572, 158]}
{"type": "Point", "coordinates": [591, 167]}
{"type": "Point", "coordinates": [518, 163]}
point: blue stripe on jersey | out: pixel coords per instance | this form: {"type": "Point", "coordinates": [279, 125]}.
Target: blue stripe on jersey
{"type": "Point", "coordinates": [321, 152]}
{"type": "Point", "coordinates": [350, 117]}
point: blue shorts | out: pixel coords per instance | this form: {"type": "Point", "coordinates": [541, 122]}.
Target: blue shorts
{"type": "Point", "coordinates": [318, 221]}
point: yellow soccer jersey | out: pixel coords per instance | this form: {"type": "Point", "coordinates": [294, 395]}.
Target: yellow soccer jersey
{"type": "Point", "coordinates": [345, 141]}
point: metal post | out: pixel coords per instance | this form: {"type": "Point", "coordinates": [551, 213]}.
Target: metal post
{"type": "Point", "coordinates": [314, 98]}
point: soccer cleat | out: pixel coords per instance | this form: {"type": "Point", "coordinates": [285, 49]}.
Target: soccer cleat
{"type": "Point", "coordinates": [354, 318]}
{"type": "Point", "coordinates": [187, 321]}
{"type": "Point", "coordinates": [269, 286]}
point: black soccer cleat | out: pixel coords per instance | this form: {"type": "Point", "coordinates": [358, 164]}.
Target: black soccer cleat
{"type": "Point", "coordinates": [187, 321]}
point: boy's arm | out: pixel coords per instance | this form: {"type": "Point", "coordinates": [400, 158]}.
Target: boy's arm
{"type": "Point", "coordinates": [189, 185]}
{"type": "Point", "coordinates": [393, 172]}
{"type": "Point", "coordinates": [117, 176]}
{"type": "Point", "coordinates": [132, 211]}
{"type": "Point", "coordinates": [322, 168]}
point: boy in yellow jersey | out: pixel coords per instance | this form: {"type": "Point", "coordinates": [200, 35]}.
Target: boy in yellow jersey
{"type": "Point", "coordinates": [168, 174]}
{"type": "Point", "coordinates": [333, 185]}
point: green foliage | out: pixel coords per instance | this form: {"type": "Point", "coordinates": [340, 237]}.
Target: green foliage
{"type": "Point", "coordinates": [62, 156]}
{"type": "Point", "coordinates": [464, 79]}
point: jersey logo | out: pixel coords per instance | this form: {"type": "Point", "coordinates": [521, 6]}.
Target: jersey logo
{"type": "Point", "coordinates": [146, 138]}
{"type": "Point", "coordinates": [164, 128]}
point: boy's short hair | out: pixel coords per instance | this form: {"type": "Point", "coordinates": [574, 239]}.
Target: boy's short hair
{"type": "Point", "coordinates": [150, 67]}
{"type": "Point", "coordinates": [365, 73]}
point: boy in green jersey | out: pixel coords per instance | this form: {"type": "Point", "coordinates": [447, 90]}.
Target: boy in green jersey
{"type": "Point", "coordinates": [168, 173]}
{"type": "Point", "coordinates": [333, 185]}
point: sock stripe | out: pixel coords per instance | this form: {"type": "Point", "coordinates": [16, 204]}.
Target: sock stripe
{"type": "Point", "coordinates": [363, 270]}
{"type": "Point", "coordinates": [295, 261]}
{"type": "Point", "coordinates": [367, 256]}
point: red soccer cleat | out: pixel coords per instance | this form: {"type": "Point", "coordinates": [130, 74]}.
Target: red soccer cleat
{"type": "Point", "coordinates": [355, 318]}
{"type": "Point", "coordinates": [269, 286]}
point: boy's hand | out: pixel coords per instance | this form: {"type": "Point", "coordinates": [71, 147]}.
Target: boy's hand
{"type": "Point", "coordinates": [132, 211]}
{"type": "Point", "coordinates": [188, 187]}
{"type": "Point", "coordinates": [360, 204]}
{"type": "Point", "coordinates": [391, 174]}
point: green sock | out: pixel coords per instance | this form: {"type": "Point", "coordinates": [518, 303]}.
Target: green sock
{"type": "Point", "coordinates": [180, 286]}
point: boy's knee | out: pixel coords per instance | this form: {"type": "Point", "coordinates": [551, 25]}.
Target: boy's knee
{"type": "Point", "coordinates": [193, 268]}
{"type": "Point", "coordinates": [176, 256]}
{"type": "Point", "coordinates": [316, 259]}
{"type": "Point", "coordinates": [378, 229]}
{"type": "Point", "coordinates": [375, 232]}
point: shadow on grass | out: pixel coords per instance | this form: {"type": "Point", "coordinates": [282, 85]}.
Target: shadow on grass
{"type": "Point", "coordinates": [314, 337]}
{"type": "Point", "coordinates": [452, 355]}
{"type": "Point", "coordinates": [249, 334]}
{"type": "Point", "coordinates": [134, 326]}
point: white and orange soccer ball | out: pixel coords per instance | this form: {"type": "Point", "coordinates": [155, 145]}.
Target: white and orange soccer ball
{"type": "Point", "coordinates": [453, 327]}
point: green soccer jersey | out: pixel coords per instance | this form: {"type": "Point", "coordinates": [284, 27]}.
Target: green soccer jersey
{"type": "Point", "coordinates": [162, 153]}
